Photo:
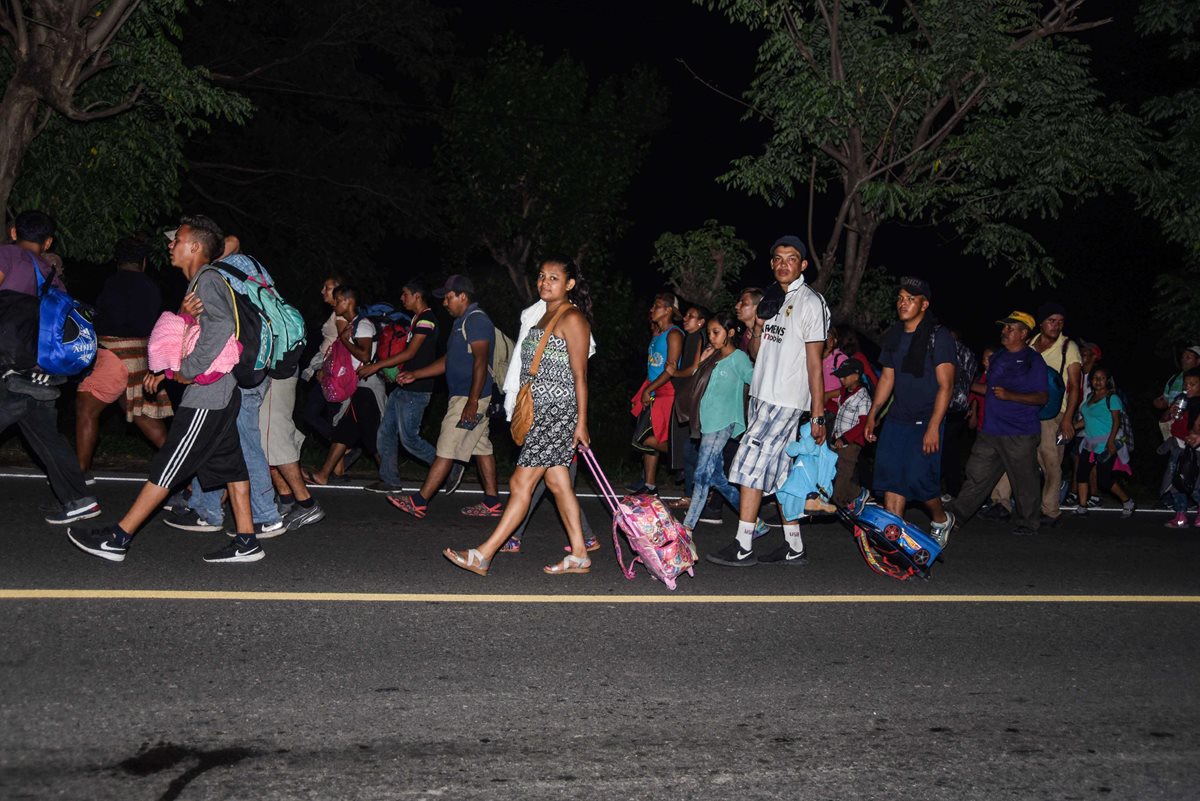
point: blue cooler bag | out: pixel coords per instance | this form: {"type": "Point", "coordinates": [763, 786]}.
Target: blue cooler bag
{"type": "Point", "coordinates": [890, 545]}
{"type": "Point", "coordinates": [66, 337]}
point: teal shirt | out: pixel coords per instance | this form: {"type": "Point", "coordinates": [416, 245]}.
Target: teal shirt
{"type": "Point", "coordinates": [723, 403]}
{"type": "Point", "coordinates": [1097, 417]}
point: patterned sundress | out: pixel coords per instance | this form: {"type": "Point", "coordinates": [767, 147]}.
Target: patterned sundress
{"type": "Point", "coordinates": [555, 410]}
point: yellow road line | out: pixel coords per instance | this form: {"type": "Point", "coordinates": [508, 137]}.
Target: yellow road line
{"type": "Point", "coordinates": [383, 597]}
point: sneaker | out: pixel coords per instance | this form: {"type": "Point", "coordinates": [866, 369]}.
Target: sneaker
{"type": "Point", "coordinates": [634, 489]}
{"type": "Point", "coordinates": [190, 520]}
{"type": "Point", "coordinates": [996, 511]}
{"type": "Point", "coordinates": [102, 542]}
{"type": "Point", "coordinates": [89, 479]}
{"type": "Point", "coordinates": [1024, 531]}
{"type": "Point", "coordinates": [1049, 522]}
{"type": "Point", "coordinates": [1128, 508]}
{"type": "Point", "coordinates": [384, 487]}
{"type": "Point", "coordinates": [455, 478]}
{"type": "Point", "coordinates": [1081, 511]}
{"type": "Point", "coordinates": [947, 497]}
{"type": "Point", "coordinates": [481, 509]}
{"type": "Point", "coordinates": [941, 531]}
{"type": "Point", "coordinates": [1179, 521]}
{"type": "Point", "coordinates": [70, 512]}
{"type": "Point", "coordinates": [406, 504]}
{"type": "Point", "coordinates": [265, 531]}
{"type": "Point", "coordinates": [300, 516]}
{"type": "Point", "coordinates": [648, 490]}
{"type": "Point", "coordinates": [732, 555]}
{"type": "Point", "coordinates": [237, 553]}
{"type": "Point", "coordinates": [713, 511]}
{"type": "Point", "coordinates": [784, 555]}
{"type": "Point", "coordinates": [1093, 501]}
{"type": "Point", "coordinates": [1070, 499]}
{"type": "Point", "coordinates": [760, 528]}
{"type": "Point", "coordinates": [856, 506]}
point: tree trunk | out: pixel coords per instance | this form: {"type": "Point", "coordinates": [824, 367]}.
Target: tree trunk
{"type": "Point", "coordinates": [858, 251]}
{"type": "Point", "coordinates": [18, 119]}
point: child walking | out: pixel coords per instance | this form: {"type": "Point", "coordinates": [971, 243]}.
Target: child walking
{"type": "Point", "coordinates": [1182, 419]}
{"type": "Point", "coordinates": [722, 415]}
{"type": "Point", "coordinates": [848, 429]}
{"type": "Point", "coordinates": [1101, 423]}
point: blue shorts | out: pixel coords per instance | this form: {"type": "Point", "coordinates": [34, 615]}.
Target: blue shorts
{"type": "Point", "coordinates": [901, 466]}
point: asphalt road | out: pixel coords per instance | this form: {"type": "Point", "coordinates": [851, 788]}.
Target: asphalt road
{"type": "Point", "coordinates": [1062, 666]}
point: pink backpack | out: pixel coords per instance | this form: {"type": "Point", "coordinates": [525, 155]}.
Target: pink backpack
{"type": "Point", "coordinates": [658, 540]}
{"type": "Point", "coordinates": [338, 378]}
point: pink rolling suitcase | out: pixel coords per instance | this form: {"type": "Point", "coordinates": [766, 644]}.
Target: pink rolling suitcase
{"type": "Point", "coordinates": [658, 540]}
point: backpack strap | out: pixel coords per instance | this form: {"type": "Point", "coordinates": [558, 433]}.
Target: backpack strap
{"type": "Point", "coordinates": [237, 320]}
{"type": "Point", "coordinates": [464, 333]}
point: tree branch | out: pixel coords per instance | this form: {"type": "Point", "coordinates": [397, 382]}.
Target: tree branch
{"type": "Point", "coordinates": [115, 15]}
{"type": "Point", "coordinates": [725, 94]}
{"type": "Point", "coordinates": [68, 110]}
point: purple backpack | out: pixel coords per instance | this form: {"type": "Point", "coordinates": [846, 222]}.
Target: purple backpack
{"type": "Point", "coordinates": [658, 540]}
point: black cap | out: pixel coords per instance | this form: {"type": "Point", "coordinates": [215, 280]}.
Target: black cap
{"type": "Point", "coordinates": [790, 241]}
{"type": "Point", "coordinates": [457, 284]}
{"type": "Point", "coordinates": [916, 286]}
{"type": "Point", "coordinates": [1050, 308]}
{"type": "Point", "coordinates": [849, 367]}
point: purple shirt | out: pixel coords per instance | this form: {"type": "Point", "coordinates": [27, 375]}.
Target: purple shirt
{"type": "Point", "coordinates": [1023, 371]}
{"type": "Point", "coordinates": [17, 265]}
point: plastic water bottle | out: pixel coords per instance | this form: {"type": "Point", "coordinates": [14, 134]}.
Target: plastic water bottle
{"type": "Point", "coordinates": [1178, 407]}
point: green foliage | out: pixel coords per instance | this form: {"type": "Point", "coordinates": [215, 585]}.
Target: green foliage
{"type": "Point", "coordinates": [106, 178]}
{"type": "Point", "coordinates": [537, 159]}
{"type": "Point", "coordinates": [1167, 185]}
{"type": "Point", "coordinates": [978, 114]}
{"type": "Point", "coordinates": [703, 264]}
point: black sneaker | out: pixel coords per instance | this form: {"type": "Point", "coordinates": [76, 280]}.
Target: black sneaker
{"type": "Point", "coordinates": [997, 511]}
{"type": "Point", "coordinates": [732, 555]}
{"type": "Point", "coordinates": [455, 478]}
{"type": "Point", "coordinates": [190, 520]}
{"type": "Point", "coordinates": [1024, 531]}
{"type": "Point", "coordinates": [237, 553]}
{"type": "Point", "coordinates": [77, 510]}
{"type": "Point", "coordinates": [303, 517]}
{"type": "Point", "coordinates": [391, 489]}
{"type": "Point", "coordinates": [784, 555]}
{"type": "Point", "coordinates": [265, 531]}
{"type": "Point", "coordinates": [102, 542]}
{"type": "Point", "coordinates": [713, 510]}
{"type": "Point", "coordinates": [1049, 522]}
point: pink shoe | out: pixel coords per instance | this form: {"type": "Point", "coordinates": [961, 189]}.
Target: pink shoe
{"type": "Point", "coordinates": [1196, 522]}
{"type": "Point", "coordinates": [1180, 521]}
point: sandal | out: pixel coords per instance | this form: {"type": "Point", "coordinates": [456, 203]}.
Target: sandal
{"type": "Point", "coordinates": [511, 545]}
{"type": "Point", "coordinates": [590, 545]}
{"type": "Point", "coordinates": [471, 560]}
{"type": "Point", "coordinates": [571, 564]}
{"type": "Point", "coordinates": [680, 503]}
{"type": "Point", "coordinates": [310, 479]}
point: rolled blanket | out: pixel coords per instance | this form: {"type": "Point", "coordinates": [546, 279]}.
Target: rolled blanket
{"type": "Point", "coordinates": [175, 336]}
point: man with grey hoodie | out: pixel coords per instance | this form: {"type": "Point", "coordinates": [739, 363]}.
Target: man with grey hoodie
{"type": "Point", "coordinates": [203, 438]}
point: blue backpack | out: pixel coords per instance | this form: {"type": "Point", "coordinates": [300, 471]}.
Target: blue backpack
{"type": "Point", "coordinates": [66, 337]}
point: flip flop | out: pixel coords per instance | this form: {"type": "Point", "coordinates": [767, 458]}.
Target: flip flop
{"type": "Point", "coordinates": [309, 479]}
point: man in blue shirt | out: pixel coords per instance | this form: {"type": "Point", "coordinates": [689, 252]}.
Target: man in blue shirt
{"type": "Point", "coordinates": [918, 370]}
{"type": "Point", "coordinates": [1008, 443]}
{"type": "Point", "coordinates": [467, 367]}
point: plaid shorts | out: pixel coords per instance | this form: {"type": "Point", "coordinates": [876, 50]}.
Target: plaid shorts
{"type": "Point", "coordinates": [762, 462]}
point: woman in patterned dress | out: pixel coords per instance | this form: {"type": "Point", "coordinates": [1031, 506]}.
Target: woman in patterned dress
{"type": "Point", "coordinates": [559, 418]}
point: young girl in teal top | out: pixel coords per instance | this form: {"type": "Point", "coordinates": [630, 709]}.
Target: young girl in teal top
{"type": "Point", "coordinates": [722, 414]}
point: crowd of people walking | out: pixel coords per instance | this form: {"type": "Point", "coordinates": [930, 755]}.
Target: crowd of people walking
{"type": "Point", "coordinates": [1037, 423]}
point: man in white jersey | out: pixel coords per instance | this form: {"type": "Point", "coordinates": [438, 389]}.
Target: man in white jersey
{"type": "Point", "coordinates": [788, 385]}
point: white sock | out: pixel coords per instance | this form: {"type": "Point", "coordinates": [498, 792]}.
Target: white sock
{"type": "Point", "coordinates": [791, 533]}
{"type": "Point", "coordinates": [745, 534]}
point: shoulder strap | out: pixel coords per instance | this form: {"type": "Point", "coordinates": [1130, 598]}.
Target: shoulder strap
{"type": "Point", "coordinates": [541, 346]}
{"type": "Point", "coordinates": [237, 321]}
{"type": "Point", "coordinates": [1063, 364]}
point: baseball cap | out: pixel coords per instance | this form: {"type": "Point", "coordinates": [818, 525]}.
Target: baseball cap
{"type": "Point", "coordinates": [791, 241]}
{"type": "Point", "coordinates": [1051, 308]}
{"type": "Point", "coordinates": [849, 367]}
{"type": "Point", "coordinates": [170, 235]}
{"type": "Point", "coordinates": [1024, 318]}
{"type": "Point", "coordinates": [1194, 349]}
{"type": "Point", "coordinates": [455, 283]}
{"type": "Point", "coordinates": [916, 286]}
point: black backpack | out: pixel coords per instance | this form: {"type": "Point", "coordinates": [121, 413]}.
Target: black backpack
{"type": "Point", "coordinates": [249, 324]}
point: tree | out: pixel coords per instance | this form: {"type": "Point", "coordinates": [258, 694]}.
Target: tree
{"type": "Point", "coordinates": [701, 264]}
{"type": "Point", "coordinates": [97, 103]}
{"type": "Point", "coordinates": [977, 114]}
{"type": "Point", "coordinates": [333, 163]}
{"type": "Point", "coordinates": [1167, 186]}
{"type": "Point", "coordinates": [537, 161]}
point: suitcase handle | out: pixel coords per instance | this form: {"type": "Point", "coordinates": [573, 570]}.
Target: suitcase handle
{"type": "Point", "coordinates": [614, 504]}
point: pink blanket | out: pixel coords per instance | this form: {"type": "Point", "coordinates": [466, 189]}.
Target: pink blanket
{"type": "Point", "coordinates": [174, 337]}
